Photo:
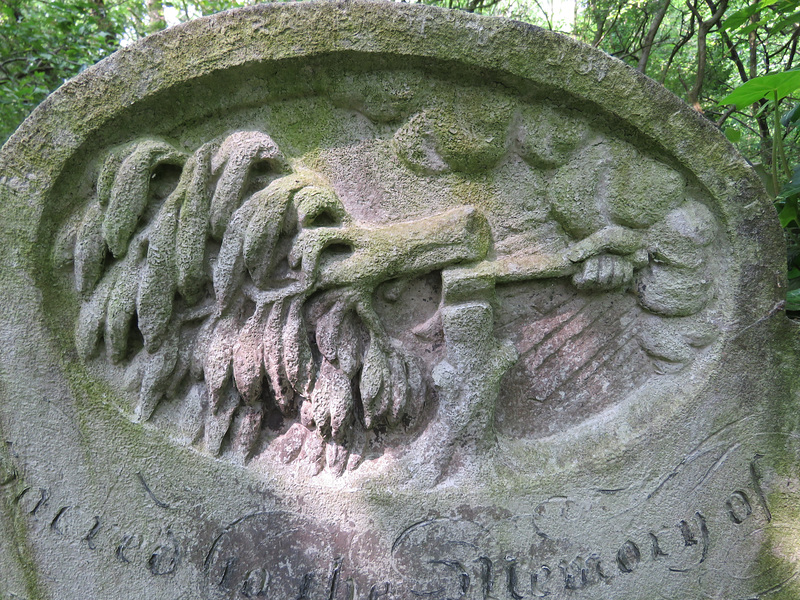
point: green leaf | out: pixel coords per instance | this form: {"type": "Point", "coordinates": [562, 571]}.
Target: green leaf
{"type": "Point", "coordinates": [733, 135]}
{"type": "Point", "coordinates": [789, 191]}
{"type": "Point", "coordinates": [789, 212]}
{"type": "Point", "coordinates": [792, 116]}
{"type": "Point", "coordinates": [763, 87]}
{"type": "Point", "coordinates": [793, 274]}
{"type": "Point", "coordinates": [786, 7]}
{"type": "Point", "coordinates": [753, 26]}
{"type": "Point", "coordinates": [792, 187]}
{"type": "Point", "coordinates": [784, 22]}
{"type": "Point", "coordinates": [793, 300]}
{"type": "Point", "coordinates": [741, 16]}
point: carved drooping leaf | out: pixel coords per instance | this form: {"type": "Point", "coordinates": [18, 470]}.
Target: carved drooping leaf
{"type": "Point", "coordinates": [312, 456]}
{"type": "Point", "coordinates": [229, 270]}
{"type": "Point", "coordinates": [154, 303]}
{"type": "Point", "coordinates": [400, 391]}
{"type": "Point", "coordinates": [192, 235]}
{"type": "Point", "coordinates": [131, 191]}
{"type": "Point", "coordinates": [246, 429]}
{"type": "Point", "coordinates": [248, 357]}
{"type": "Point", "coordinates": [318, 205]}
{"type": "Point", "coordinates": [218, 421]}
{"type": "Point", "coordinates": [236, 157]}
{"type": "Point", "coordinates": [307, 413]}
{"type": "Point", "coordinates": [332, 400]}
{"type": "Point", "coordinates": [320, 406]}
{"type": "Point", "coordinates": [158, 367]}
{"type": "Point", "coordinates": [122, 303]}
{"type": "Point", "coordinates": [273, 359]}
{"type": "Point", "coordinates": [336, 454]}
{"type": "Point", "coordinates": [108, 174]}
{"type": "Point", "coordinates": [217, 359]}
{"type": "Point", "coordinates": [375, 385]}
{"type": "Point", "coordinates": [417, 392]}
{"type": "Point", "coordinates": [196, 404]}
{"type": "Point", "coordinates": [92, 316]}
{"type": "Point", "coordinates": [182, 364]}
{"type": "Point", "coordinates": [356, 447]}
{"type": "Point", "coordinates": [341, 404]}
{"type": "Point", "coordinates": [64, 244]}
{"type": "Point", "coordinates": [298, 360]}
{"type": "Point", "coordinates": [203, 340]}
{"type": "Point", "coordinates": [329, 327]}
{"type": "Point", "coordinates": [90, 250]}
{"type": "Point", "coordinates": [348, 347]}
{"type": "Point", "coordinates": [264, 228]}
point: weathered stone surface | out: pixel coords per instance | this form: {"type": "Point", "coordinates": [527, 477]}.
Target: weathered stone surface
{"type": "Point", "coordinates": [359, 300]}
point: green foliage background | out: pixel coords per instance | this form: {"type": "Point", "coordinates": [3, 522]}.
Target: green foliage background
{"type": "Point", "coordinates": [699, 49]}
{"type": "Point", "coordinates": [702, 50]}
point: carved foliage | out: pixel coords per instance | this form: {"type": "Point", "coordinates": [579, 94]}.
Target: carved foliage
{"type": "Point", "coordinates": [257, 283]}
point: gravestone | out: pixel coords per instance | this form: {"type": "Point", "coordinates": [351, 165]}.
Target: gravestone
{"type": "Point", "coordinates": [357, 300]}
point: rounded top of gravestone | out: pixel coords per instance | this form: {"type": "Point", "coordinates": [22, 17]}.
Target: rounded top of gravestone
{"type": "Point", "coordinates": [355, 299]}
{"type": "Point", "coordinates": [313, 234]}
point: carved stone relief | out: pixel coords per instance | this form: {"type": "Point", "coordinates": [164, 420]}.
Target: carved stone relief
{"type": "Point", "coordinates": [564, 268]}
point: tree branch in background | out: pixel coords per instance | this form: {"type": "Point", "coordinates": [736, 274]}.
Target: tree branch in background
{"type": "Point", "coordinates": [544, 12]}
{"type": "Point", "coordinates": [601, 35]}
{"type": "Point", "coordinates": [793, 47]}
{"type": "Point", "coordinates": [734, 54]}
{"type": "Point", "coordinates": [791, 40]}
{"type": "Point", "coordinates": [677, 48]}
{"type": "Point", "coordinates": [742, 120]}
{"type": "Point", "coordinates": [647, 46]}
{"type": "Point", "coordinates": [703, 27]}
{"type": "Point", "coordinates": [752, 47]}
{"type": "Point", "coordinates": [731, 109]}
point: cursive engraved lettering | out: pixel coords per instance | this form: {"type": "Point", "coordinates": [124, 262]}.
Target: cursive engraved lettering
{"type": "Point", "coordinates": [54, 523]}
{"type": "Point", "coordinates": [486, 575]}
{"type": "Point", "coordinates": [739, 507]}
{"type": "Point", "coordinates": [655, 548]}
{"type": "Point", "coordinates": [305, 587]}
{"type": "Point", "coordinates": [164, 559]}
{"type": "Point", "coordinates": [574, 574]}
{"type": "Point", "coordinates": [128, 542]}
{"type": "Point", "coordinates": [89, 539]}
{"type": "Point", "coordinates": [628, 557]}
{"type": "Point", "coordinates": [755, 478]}
{"type": "Point", "coordinates": [511, 580]}
{"type": "Point", "coordinates": [539, 581]}
{"type": "Point", "coordinates": [255, 583]}
{"type": "Point", "coordinates": [333, 580]}
{"type": "Point", "coordinates": [376, 591]}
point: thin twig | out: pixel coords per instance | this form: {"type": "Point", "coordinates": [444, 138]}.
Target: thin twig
{"type": "Point", "coordinates": [725, 115]}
